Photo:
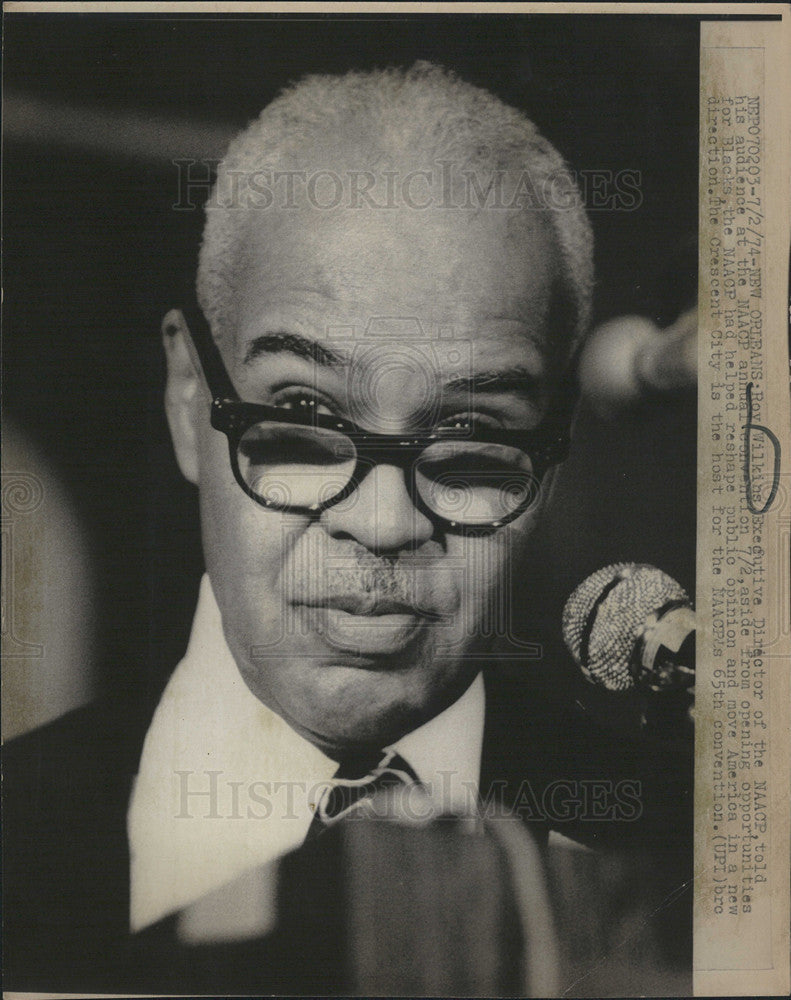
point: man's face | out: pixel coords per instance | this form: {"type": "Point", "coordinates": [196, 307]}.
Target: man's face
{"type": "Point", "coordinates": [360, 624]}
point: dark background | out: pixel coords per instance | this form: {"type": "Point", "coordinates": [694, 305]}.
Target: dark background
{"type": "Point", "coordinates": [95, 254]}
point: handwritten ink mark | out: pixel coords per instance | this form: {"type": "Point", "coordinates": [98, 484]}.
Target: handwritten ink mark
{"type": "Point", "coordinates": [750, 426]}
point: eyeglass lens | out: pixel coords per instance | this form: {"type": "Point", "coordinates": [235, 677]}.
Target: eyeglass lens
{"type": "Point", "coordinates": [463, 481]}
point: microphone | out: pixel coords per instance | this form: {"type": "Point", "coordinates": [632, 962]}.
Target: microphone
{"type": "Point", "coordinates": [630, 627]}
{"type": "Point", "coordinates": [629, 359]}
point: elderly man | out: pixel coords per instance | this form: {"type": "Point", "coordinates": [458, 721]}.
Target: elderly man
{"type": "Point", "coordinates": [371, 398]}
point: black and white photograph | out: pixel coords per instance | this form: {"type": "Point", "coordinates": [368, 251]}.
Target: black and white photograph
{"type": "Point", "coordinates": [350, 485]}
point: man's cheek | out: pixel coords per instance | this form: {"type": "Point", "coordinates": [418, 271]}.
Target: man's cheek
{"type": "Point", "coordinates": [483, 581]}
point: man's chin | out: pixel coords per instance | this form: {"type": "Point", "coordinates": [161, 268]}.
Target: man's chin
{"type": "Point", "coordinates": [340, 703]}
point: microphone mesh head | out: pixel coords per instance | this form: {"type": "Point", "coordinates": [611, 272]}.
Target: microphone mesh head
{"type": "Point", "coordinates": [607, 614]}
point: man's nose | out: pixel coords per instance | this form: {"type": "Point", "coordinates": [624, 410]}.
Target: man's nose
{"type": "Point", "coordinates": [379, 514]}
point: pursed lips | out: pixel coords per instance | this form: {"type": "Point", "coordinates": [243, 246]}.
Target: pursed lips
{"type": "Point", "coordinates": [369, 606]}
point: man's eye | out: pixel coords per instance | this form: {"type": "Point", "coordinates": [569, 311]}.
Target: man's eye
{"type": "Point", "coordinates": [463, 421]}
{"type": "Point", "coordinates": [302, 401]}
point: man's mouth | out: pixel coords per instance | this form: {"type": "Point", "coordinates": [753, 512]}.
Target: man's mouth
{"type": "Point", "coordinates": [365, 624]}
{"type": "Point", "coordinates": [371, 606]}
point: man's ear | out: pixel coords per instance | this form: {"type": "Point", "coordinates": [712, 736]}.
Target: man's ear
{"type": "Point", "coordinates": [181, 391]}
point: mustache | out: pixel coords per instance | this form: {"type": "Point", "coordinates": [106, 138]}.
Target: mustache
{"type": "Point", "coordinates": [368, 579]}
{"type": "Point", "coordinates": [382, 578]}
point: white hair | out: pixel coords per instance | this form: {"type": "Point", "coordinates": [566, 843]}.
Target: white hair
{"type": "Point", "coordinates": [422, 112]}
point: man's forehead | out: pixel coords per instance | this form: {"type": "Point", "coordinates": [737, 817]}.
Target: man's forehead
{"type": "Point", "coordinates": [397, 274]}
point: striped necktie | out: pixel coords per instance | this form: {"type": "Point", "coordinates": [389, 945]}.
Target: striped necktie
{"type": "Point", "coordinates": [356, 781]}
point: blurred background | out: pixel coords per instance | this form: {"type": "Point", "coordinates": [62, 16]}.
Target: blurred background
{"type": "Point", "coordinates": [101, 572]}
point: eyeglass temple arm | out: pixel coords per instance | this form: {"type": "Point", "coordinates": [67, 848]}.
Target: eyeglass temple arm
{"type": "Point", "coordinates": [214, 370]}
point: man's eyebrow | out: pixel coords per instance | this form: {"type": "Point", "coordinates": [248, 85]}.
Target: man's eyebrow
{"type": "Point", "coordinates": [293, 343]}
{"type": "Point", "coordinates": [519, 380]}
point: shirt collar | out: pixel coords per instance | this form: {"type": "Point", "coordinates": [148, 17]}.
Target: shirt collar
{"type": "Point", "coordinates": [445, 752]}
{"type": "Point", "coordinates": [226, 785]}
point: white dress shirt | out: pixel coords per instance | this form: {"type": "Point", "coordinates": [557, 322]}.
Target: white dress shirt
{"type": "Point", "coordinates": [225, 785]}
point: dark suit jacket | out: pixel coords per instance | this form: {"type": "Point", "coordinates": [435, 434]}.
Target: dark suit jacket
{"type": "Point", "coordinates": [66, 889]}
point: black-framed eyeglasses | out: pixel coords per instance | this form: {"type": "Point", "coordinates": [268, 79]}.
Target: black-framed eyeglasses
{"type": "Point", "coordinates": [467, 478]}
